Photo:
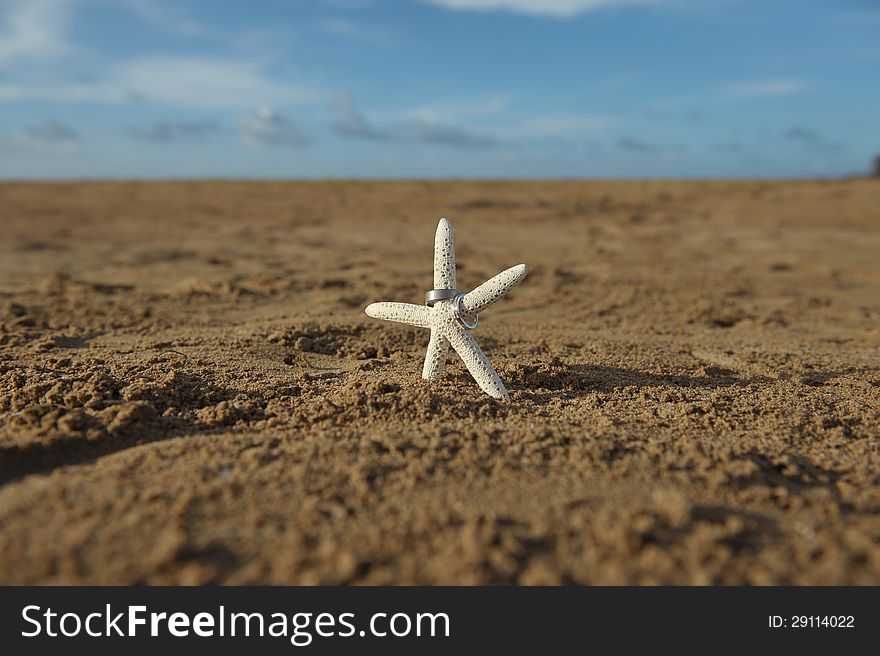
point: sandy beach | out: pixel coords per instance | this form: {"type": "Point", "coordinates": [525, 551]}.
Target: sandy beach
{"type": "Point", "coordinates": [190, 391]}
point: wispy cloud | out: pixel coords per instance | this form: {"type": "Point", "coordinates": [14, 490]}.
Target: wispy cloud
{"type": "Point", "coordinates": [51, 135]}
{"type": "Point", "coordinates": [351, 123]}
{"type": "Point", "coordinates": [65, 91]}
{"type": "Point", "coordinates": [811, 139]}
{"type": "Point", "coordinates": [457, 110]}
{"type": "Point", "coordinates": [637, 145]}
{"type": "Point", "coordinates": [641, 146]}
{"type": "Point", "coordinates": [168, 131]}
{"type": "Point", "coordinates": [48, 136]}
{"type": "Point", "coordinates": [374, 34]}
{"type": "Point", "coordinates": [38, 30]}
{"type": "Point", "coordinates": [419, 127]}
{"type": "Point", "coordinates": [553, 8]}
{"type": "Point", "coordinates": [206, 82]}
{"type": "Point", "coordinates": [458, 125]}
{"type": "Point", "coordinates": [171, 80]}
{"type": "Point", "coordinates": [802, 134]}
{"type": "Point", "coordinates": [445, 134]}
{"type": "Point", "coordinates": [765, 88]}
{"type": "Point", "coordinates": [560, 126]}
{"type": "Point", "coordinates": [165, 16]}
{"type": "Point", "coordinates": [268, 128]}
{"type": "Point", "coordinates": [33, 30]}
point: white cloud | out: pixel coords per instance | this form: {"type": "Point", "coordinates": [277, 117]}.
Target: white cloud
{"type": "Point", "coordinates": [205, 82]}
{"type": "Point", "coordinates": [36, 31]}
{"type": "Point", "coordinates": [33, 30]}
{"type": "Point", "coordinates": [554, 8]}
{"type": "Point", "coordinates": [164, 16]}
{"type": "Point", "coordinates": [457, 110]}
{"type": "Point", "coordinates": [266, 127]}
{"type": "Point", "coordinates": [466, 123]}
{"type": "Point", "coordinates": [99, 92]}
{"type": "Point", "coordinates": [764, 88]}
{"type": "Point", "coordinates": [180, 81]}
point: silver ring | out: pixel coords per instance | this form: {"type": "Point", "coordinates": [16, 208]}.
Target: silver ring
{"type": "Point", "coordinates": [458, 314]}
{"type": "Point", "coordinates": [440, 295]}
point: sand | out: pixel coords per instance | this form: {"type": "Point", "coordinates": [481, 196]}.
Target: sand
{"type": "Point", "coordinates": [191, 393]}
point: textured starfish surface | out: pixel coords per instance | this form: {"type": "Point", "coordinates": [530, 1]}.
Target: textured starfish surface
{"type": "Point", "coordinates": [447, 318]}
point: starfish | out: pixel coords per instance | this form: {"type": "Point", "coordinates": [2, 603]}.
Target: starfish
{"type": "Point", "coordinates": [450, 314]}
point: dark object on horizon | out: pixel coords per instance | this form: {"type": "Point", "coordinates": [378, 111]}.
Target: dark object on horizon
{"type": "Point", "coordinates": [877, 166]}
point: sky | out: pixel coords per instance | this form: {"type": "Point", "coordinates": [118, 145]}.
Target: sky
{"type": "Point", "coordinates": [438, 88]}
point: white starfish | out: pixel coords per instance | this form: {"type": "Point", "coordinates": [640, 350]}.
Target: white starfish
{"type": "Point", "coordinates": [453, 315]}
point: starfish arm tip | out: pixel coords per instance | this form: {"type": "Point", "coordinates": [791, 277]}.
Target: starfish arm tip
{"type": "Point", "coordinates": [520, 271]}
{"type": "Point", "coordinates": [414, 315]}
{"type": "Point", "coordinates": [444, 256]}
{"type": "Point", "coordinates": [476, 362]}
{"type": "Point", "coordinates": [497, 286]}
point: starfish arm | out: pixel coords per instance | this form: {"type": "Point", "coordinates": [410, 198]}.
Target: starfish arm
{"type": "Point", "coordinates": [435, 358]}
{"type": "Point", "coordinates": [493, 289]}
{"type": "Point", "coordinates": [414, 315]}
{"type": "Point", "coordinates": [444, 256]}
{"type": "Point", "coordinates": [476, 361]}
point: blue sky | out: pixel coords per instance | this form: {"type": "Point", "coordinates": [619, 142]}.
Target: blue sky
{"type": "Point", "coordinates": [438, 88]}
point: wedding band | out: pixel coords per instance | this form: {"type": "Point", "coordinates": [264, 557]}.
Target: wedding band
{"type": "Point", "coordinates": [458, 314]}
{"type": "Point", "coordinates": [440, 295]}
